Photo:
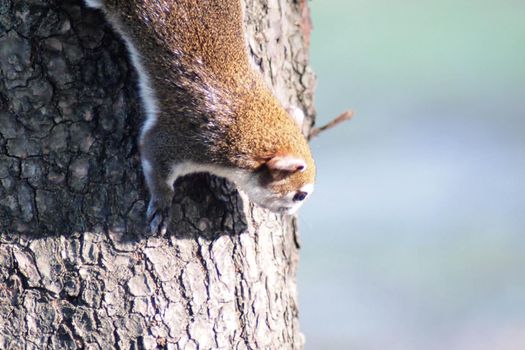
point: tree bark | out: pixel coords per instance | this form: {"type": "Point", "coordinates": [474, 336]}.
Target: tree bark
{"type": "Point", "coordinates": [77, 270]}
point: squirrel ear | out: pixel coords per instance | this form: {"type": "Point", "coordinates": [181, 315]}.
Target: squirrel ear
{"type": "Point", "coordinates": [286, 163]}
{"type": "Point", "coordinates": [297, 115]}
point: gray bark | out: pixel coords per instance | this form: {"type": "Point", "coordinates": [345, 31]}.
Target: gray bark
{"type": "Point", "coordinates": [77, 270]}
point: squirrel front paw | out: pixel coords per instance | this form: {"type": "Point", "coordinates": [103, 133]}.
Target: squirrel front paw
{"type": "Point", "coordinates": [159, 217]}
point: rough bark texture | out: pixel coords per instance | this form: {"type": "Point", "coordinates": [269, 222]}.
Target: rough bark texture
{"type": "Point", "coordinates": [76, 269]}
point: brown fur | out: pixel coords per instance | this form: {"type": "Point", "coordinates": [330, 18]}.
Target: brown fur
{"type": "Point", "coordinates": [194, 47]}
{"type": "Point", "coordinates": [213, 108]}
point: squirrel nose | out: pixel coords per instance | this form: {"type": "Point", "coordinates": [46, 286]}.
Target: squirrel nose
{"type": "Point", "coordinates": [300, 196]}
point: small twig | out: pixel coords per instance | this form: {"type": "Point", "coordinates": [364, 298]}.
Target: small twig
{"type": "Point", "coordinates": [347, 115]}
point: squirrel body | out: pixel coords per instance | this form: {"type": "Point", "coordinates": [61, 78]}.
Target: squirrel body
{"type": "Point", "coordinates": [207, 108]}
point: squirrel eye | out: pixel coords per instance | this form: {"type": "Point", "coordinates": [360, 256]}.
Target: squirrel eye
{"type": "Point", "coordinates": [300, 196]}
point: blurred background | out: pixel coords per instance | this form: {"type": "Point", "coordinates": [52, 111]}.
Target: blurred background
{"type": "Point", "coordinates": [415, 236]}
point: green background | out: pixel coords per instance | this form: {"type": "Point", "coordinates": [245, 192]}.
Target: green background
{"type": "Point", "coordinates": [415, 235]}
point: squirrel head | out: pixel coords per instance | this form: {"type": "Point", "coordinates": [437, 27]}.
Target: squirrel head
{"type": "Point", "coordinates": [281, 168]}
{"type": "Point", "coordinates": [282, 183]}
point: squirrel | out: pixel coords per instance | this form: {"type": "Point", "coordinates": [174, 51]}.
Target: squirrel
{"type": "Point", "coordinates": [207, 106]}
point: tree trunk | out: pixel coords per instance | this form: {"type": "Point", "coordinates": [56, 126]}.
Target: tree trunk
{"type": "Point", "coordinates": [77, 270]}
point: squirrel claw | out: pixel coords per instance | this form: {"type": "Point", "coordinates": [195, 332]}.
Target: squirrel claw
{"type": "Point", "coordinates": [158, 225]}
{"type": "Point", "coordinates": [159, 219]}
